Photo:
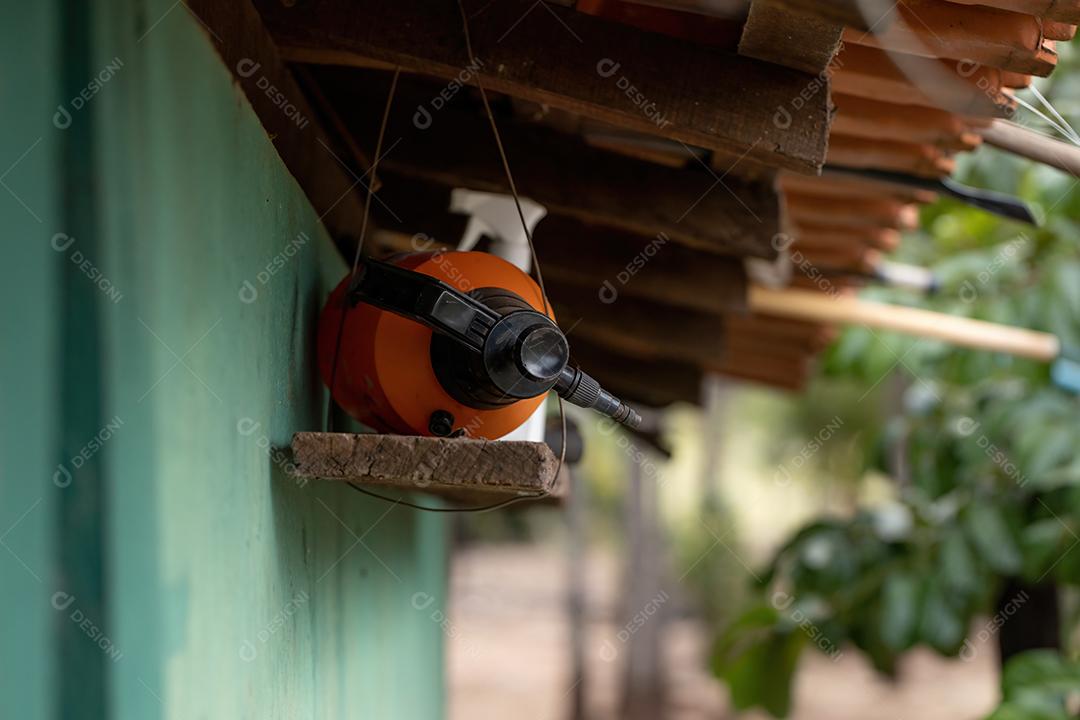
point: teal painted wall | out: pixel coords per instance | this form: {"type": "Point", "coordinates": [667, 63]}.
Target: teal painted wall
{"type": "Point", "coordinates": [29, 357]}
{"type": "Point", "coordinates": [215, 585]}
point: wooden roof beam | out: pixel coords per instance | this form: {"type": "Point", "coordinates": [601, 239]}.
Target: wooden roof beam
{"type": "Point", "coordinates": [837, 186]}
{"type": "Point", "coordinates": [642, 328]}
{"type": "Point", "coordinates": [613, 264]}
{"type": "Point", "coordinates": [778, 329]}
{"type": "Point", "coordinates": [636, 326]}
{"type": "Point", "coordinates": [647, 380]}
{"type": "Point", "coordinates": [692, 207]}
{"type": "Point", "coordinates": [793, 38]}
{"type": "Point", "coordinates": [608, 71]}
{"type": "Point", "coordinates": [785, 374]}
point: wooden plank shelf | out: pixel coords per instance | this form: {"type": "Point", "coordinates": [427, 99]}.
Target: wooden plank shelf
{"type": "Point", "coordinates": [461, 470]}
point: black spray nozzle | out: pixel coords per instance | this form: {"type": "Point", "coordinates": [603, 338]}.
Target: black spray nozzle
{"type": "Point", "coordinates": [579, 388]}
{"type": "Point", "coordinates": [508, 350]}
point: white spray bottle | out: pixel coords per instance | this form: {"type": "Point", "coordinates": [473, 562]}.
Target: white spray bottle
{"type": "Point", "coordinates": [497, 217]}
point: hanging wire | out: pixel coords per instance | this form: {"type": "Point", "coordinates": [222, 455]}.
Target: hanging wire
{"type": "Point", "coordinates": [360, 243]}
{"type": "Point", "coordinates": [1048, 120]}
{"type": "Point", "coordinates": [502, 154]}
{"type": "Point", "coordinates": [535, 263]}
{"type": "Point", "coordinates": [517, 204]}
{"type": "Point", "coordinates": [1057, 122]}
{"type": "Point", "coordinates": [1053, 111]}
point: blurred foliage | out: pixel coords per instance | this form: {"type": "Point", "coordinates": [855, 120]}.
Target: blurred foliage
{"type": "Point", "coordinates": [993, 486]}
{"type": "Point", "coordinates": [1039, 685]}
{"type": "Point", "coordinates": [715, 586]}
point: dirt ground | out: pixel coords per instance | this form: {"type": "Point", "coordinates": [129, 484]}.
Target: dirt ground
{"type": "Point", "coordinates": [508, 655]}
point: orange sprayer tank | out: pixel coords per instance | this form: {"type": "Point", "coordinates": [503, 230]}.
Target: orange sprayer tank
{"type": "Point", "coordinates": [384, 375]}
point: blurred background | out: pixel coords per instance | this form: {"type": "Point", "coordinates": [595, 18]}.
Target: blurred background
{"type": "Point", "coordinates": [879, 547]}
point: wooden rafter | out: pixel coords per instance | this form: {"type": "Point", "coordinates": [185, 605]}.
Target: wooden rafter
{"type": "Point", "coordinates": [793, 38]}
{"type": "Point", "coordinates": [648, 380]}
{"type": "Point", "coordinates": [692, 206]}
{"type": "Point", "coordinates": [837, 186]}
{"type": "Point", "coordinates": [577, 254]}
{"type": "Point", "coordinates": [695, 94]}
{"type": "Point", "coordinates": [597, 258]}
{"type": "Point", "coordinates": [786, 374]}
{"type": "Point", "coordinates": [638, 326]}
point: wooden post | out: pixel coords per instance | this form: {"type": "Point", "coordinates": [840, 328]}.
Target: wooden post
{"type": "Point", "coordinates": [577, 504]}
{"type": "Point", "coordinates": [1030, 144]}
{"type": "Point", "coordinates": [716, 395]}
{"type": "Point", "coordinates": [644, 686]}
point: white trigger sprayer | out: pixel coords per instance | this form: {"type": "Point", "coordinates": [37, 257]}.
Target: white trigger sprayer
{"type": "Point", "coordinates": [497, 217]}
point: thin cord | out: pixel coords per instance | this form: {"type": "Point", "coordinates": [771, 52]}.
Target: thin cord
{"type": "Point", "coordinates": [517, 202]}
{"type": "Point", "coordinates": [1048, 120]}
{"type": "Point", "coordinates": [535, 262]}
{"type": "Point", "coordinates": [427, 508]}
{"type": "Point", "coordinates": [1053, 111]}
{"type": "Point", "coordinates": [502, 154]}
{"type": "Point", "coordinates": [360, 245]}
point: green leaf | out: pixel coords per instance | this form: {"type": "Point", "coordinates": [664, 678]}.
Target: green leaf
{"type": "Point", "coordinates": [940, 626]}
{"type": "Point", "coordinates": [1036, 685]}
{"type": "Point", "coordinates": [1054, 447]}
{"type": "Point", "coordinates": [1045, 671]}
{"type": "Point", "coordinates": [1021, 711]}
{"type": "Point", "coordinates": [1041, 545]}
{"type": "Point", "coordinates": [958, 568]}
{"type": "Point", "coordinates": [760, 674]}
{"type": "Point", "coordinates": [1067, 562]}
{"type": "Point", "coordinates": [899, 610]}
{"type": "Point", "coordinates": [990, 534]}
{"type": "Point", "coordinates": [749, 628]}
